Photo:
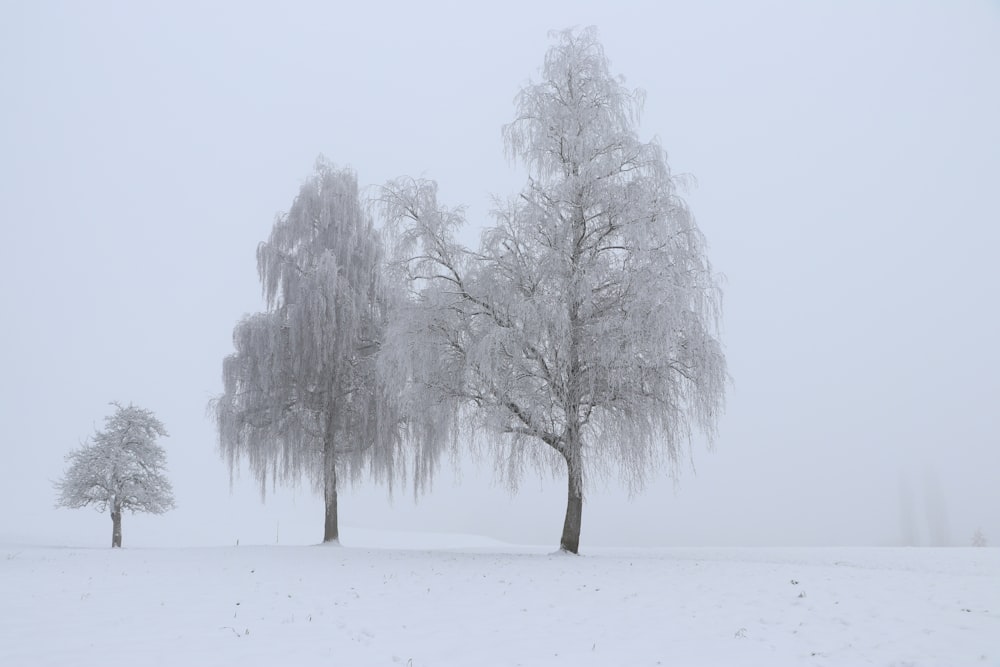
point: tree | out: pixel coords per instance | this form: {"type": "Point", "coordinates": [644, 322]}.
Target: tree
{"type": "Point", "coordinates": [122, 468]}
{"type": "Point", "coordinates": [301, 395]}
{"type": "Point", "coordinates": [587, 321]}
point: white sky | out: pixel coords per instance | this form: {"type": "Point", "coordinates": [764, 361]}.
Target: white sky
{"type": "Point", "coordinates": [847, 157]}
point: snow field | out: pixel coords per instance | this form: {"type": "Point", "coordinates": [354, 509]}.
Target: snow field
{"type": "Point", "coordinates": [494, 604]}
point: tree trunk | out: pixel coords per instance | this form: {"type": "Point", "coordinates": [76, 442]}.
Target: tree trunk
{"type": "Point", "coordinates": [574, 506]}
{"type": "Point", "coordinates": [116, 527]}
{"type": "Point", "coordinates": [573, 452]}
{"type": "Point", "coordinates": [330, 531]}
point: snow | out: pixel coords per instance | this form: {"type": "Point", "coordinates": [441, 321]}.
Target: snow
{"type": "Point", "coordinates": [423, 599]}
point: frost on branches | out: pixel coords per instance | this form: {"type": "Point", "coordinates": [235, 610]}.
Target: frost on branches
{"type": "Point", "coordinates": [122, 468]}
{"type": "Point", "coordinates": [301, 395]}
{"type": "Point", "coordinates": [582, 336]}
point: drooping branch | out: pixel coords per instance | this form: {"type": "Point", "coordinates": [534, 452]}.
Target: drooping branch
{"type": "Point", "coordinates": [303, 378]}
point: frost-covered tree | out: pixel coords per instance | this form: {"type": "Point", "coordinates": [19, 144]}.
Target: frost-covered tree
{"type": "Point", "coordinates": [583, 333]}
{"type": "Point", "coordinates": [121, 468]}
{"type": "Point", "coordinates": [301, 396]}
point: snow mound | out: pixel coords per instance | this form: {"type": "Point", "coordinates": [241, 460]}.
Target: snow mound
{"type": "Point", "coordinates": [354, 536]}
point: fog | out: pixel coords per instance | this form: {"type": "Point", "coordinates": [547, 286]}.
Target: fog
{"type": "Point", "coordinates": [845, 160]}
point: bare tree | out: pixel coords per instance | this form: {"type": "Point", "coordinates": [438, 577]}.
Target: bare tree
{"type": "Point", "coordinates": [301, 396]}
{"type": "Point", "coordinates": [122, 468]}
{"type": "Point", "coordinates": [587, 321]}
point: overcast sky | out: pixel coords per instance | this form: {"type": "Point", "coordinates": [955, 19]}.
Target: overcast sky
{"type": "Point", "coordinates": [847, 157]}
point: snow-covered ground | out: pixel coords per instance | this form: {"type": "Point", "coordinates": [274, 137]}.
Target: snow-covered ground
{"type": "Point", "coordinates": [418, 600]}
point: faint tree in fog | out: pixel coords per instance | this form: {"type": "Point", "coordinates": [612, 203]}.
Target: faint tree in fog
{"type": "Point", "coordinates": [301, 396]}
{"type": "Point", "coordinates": [587, 321]}
{"type": "Point", "coordinates": [122, 468]}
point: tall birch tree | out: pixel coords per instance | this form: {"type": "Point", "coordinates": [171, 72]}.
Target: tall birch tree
{"type": "Point", "coordinates": [583, 334]}
{"type": "Point", "coordinates": [301, 396]}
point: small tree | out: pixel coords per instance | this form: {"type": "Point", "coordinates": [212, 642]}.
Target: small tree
{"type": "Point", "coordinates": [122, 468]}
{"type": "Point", "coordinates": [583, 333]}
